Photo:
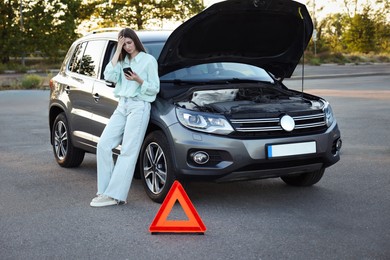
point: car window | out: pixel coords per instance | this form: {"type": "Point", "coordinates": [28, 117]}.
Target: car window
{"type": "Point", "coordinates": [75, 61]}
{"type": "Point", "coordinates": [110, 51]}
{"type": "Point", "coordinates": [86, 58]}
{"type": "Point", "coordinates": [91, 59]}
{"type": "Point", "coordinates": [154, 48]}
{"type": "Point", "coordinates": [219, 71]}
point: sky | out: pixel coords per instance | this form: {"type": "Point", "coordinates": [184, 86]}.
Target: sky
{"type": "Point", "coordinates": [329, 6]}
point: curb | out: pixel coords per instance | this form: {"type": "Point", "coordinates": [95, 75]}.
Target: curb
{"type": "Point", "coordinates": [340, 75]}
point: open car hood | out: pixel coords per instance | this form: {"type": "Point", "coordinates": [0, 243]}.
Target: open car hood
{"type": "Point", "coordinates": [271, 34]}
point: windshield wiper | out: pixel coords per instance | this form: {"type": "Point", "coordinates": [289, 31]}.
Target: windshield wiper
{"type": "Point", "coordinates": [214, 81]}
{"type": "Point", "coordinates": [237, 80]}
{"type": "Point", "coordinates": [183, 82]}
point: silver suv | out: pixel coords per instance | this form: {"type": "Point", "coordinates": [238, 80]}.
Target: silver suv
{"type": "Point", "coordinates": [223, 112]}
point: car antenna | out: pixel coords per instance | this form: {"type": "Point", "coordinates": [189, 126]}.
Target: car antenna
{"type": "Point", "coordinates": [303, 48]}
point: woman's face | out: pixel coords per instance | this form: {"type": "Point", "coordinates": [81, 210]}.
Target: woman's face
{"type": "Point", "coordinates": [129, 46]}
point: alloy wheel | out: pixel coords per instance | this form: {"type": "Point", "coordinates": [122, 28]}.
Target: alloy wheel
{"type": "Point", "coordinates": [60, 140]}
{"type": "Point", "coordinates": [155, 168]}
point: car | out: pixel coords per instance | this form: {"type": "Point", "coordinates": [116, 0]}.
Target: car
{"type": "Point", "coordinates": [223, 112]}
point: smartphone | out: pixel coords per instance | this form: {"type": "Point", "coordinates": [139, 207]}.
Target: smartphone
{"type": "Point", "coordinates": [128, 70]}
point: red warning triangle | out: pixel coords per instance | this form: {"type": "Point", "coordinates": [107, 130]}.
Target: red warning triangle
{"type": "Point", "coordinates": [161, 224]}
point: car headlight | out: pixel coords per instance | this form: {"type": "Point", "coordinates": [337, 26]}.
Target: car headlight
{"type": "Point", "coordinates": [328, 114]}
{"type": "Point", "coordinates": [204, 122]}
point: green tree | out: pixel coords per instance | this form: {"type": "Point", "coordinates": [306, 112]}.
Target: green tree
{"type": "Point", "coordinates": [10, 29]}
{"type": "Point", "coordinates": [360, 35]}
{"type": "Point", "coordinates": [333, 27]}
{"type": "Point", "coordinates": [141, 13]}
{"type": "Point", "coordinates": [360, 28]}
{"type": "Point", "coordinates": [382, 27]}
{"type": "Point", "coordinates": [368, 28]}
{"type": "Point", "coordinates": [43, 26]}
{"type": "Point", "coordinates": [50, 26]}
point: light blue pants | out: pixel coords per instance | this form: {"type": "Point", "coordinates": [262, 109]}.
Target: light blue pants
{"type": "Point", "coordinates": [128, 125]}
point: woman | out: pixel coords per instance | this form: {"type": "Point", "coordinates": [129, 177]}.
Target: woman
{"type": "Point", "coordinates": [136, 89]}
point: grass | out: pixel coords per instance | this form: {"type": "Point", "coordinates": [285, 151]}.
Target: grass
{"type": "Point", "coordinates": [25, 81]}
{"type": "Point", "coordinates": [35, 74]}
{"type": "Point", "coordinates": [341, 59]}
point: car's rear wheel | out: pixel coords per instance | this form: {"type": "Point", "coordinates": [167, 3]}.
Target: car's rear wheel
{"type": "Point", "coordinates": [304, 179]}
{"type": "Point", "coordinates": [156, 166]}
{"type": "Point", "coordinates": [65, 153]}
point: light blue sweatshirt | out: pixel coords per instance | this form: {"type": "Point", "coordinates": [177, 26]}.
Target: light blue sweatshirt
{"type": "Point", "coordinates": [145, 65]}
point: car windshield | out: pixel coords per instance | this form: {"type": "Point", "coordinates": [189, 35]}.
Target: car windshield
{"type": "Point", "coordinates": [228, 71]}
{"type": "Point", "coordinates": [209, 72]}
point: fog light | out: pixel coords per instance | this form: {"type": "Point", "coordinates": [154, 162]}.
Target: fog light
{"type": "Point", "coordinates": [200, 157]}
{"type": "Point", "coordinates": [339, 143]}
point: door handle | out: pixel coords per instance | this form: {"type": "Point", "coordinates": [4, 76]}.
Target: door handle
{"type": "Point", "coordinates": [110, 84]}
{"type": "Point", "coordinates": [96, 97]}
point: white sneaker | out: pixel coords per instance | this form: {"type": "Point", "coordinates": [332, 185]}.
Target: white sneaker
{"type": "Point", "coordinates": [98, 197]}
{"type": "Point", "coordinates": [102, 201]}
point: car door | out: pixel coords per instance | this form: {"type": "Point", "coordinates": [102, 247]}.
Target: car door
{"type": "Point", "coordinates": [84, 71]}
{"type": "Point", "coordinates": [103, 94]}
{"type": "Point", "coordinates": [78, 88]}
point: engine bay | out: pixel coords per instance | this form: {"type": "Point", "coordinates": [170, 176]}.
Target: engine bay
{"type": "Point", "coordinates": [249, 100]}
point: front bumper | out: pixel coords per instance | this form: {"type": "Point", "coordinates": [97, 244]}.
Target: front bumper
{"type": "Point", "coordinates": [238, 159]}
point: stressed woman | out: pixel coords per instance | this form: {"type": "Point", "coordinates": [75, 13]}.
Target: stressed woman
{"type": "Point", "coordinates": [137, 83]}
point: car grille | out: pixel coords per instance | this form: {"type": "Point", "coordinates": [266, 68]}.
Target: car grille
{"type": "Point", "coordinates": [254, 127]}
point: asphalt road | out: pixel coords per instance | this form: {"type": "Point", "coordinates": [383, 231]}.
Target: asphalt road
{"type": "Point", "coordinates": [45, 212]}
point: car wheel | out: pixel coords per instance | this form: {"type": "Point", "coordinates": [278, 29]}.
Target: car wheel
{"type": "Point", "coordinates": [304, 179]}
{"type": "Point", "coordinates": [65, 153]}
{"type": "Point", "coordinates": [156, 166]}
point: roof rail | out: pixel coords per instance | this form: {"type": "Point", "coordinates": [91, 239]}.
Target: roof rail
{"type": "Point", "coordinates": [101, 30]}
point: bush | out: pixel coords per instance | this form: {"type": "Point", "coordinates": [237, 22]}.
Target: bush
{"type": "Point", "coordinates": [13, 67]}
{"type": "Point", "coordinates": [382, 58]}
{"type": "Point", "coordinates": [32, 81]}
{"type": "Point", "coordinates": [9, 83]}
{"type": "Point", "coordinates": [315, 61]}
{"type": "Point", "coordinates": [354, 58]}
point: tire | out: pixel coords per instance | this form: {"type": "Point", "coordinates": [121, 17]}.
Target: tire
{"type": "Point", "coordinates": [305, 179]}
{"type": "Point", "coordinates": [65, 153]}
{"type": "Point", "coordinates": [156, 166]}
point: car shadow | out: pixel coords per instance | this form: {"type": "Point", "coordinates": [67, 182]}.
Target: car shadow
{"type": "Point", "coordinates": [266, 193]}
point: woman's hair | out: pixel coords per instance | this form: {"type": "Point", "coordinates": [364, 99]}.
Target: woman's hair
{"type": "Point", "coordinates": [129, 33]}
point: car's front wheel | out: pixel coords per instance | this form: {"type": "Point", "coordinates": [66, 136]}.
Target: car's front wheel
{"type": "Point", "coordinates": [65, 153]}
{"type": "Point", "coordinates": [304, 179]}
{"type": "Point", "coordinates": [156, 166]}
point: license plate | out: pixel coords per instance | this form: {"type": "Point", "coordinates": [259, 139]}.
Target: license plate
{"type": "Point", "coordinates": [281, 150]}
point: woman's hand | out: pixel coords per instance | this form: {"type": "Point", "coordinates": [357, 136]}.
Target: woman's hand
{"type": "Point", "coordinates": [119, 47]}
{"type": "Point", "coordinates": [134, 76]}
{"type": "Point", "coordinates": [121, 42]}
